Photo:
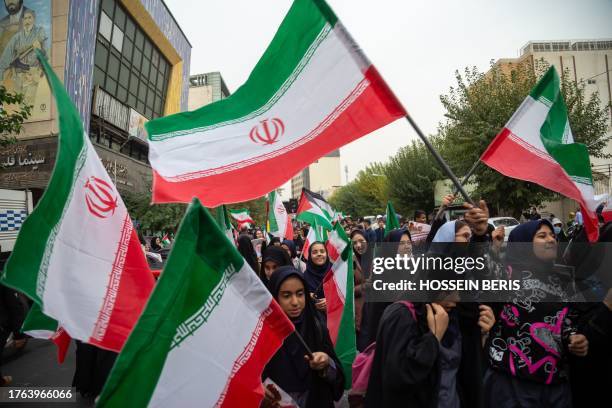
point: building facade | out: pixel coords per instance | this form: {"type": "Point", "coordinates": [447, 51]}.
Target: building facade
{"type": "Point", "coordinates": [206, 88]}
{"type": "Point", "coordinates": [323, 176]}
{"type": "Point", "coordinates": [123, 62]}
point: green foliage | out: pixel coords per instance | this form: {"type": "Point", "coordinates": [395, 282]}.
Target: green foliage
{"type": "Point", "coordinates": [153, 218]}
{"type": "Point", "coordinates": [366, 195]}
{"type": "Point", "coordinates": [412, 173]}
{"type": "Point", "coordinates": [13, 112]}
{"type": "Point", "coordinates": [256, 207]}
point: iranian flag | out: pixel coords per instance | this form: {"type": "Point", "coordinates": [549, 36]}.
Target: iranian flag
{"type": "Point", "coordinates": [223, 221]}
{"type": "Point", "coordinates": [312, 91]}
{"type": "Point", "coordinates": [77, 255]}
{"type": "Point", "coordinates": [338, 287]}
{"type": "Point", "coordinates": [166, 240]}
{"type": "Point", "coordinates": [40, 326]}
{"type": "Point", "coordinates": [279, 221]}
{"type": "Point", "coordinates": [207, 332]}
{"type": "Point", "coordinates": [313, 208]}
{"type": "Point", "coordinates": [242, 217]}
{"type": "Point", "coordinates": [537, 145]}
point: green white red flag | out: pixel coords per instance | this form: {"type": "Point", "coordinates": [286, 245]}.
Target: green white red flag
{"type": "Point", "coordinates": [77, 255]}
{"type": "Point", "coordinates": [338, 286]}
{"type": "Point", "coordinates": [537, 145]}
{"type": "Point", "coordinates": [242, 217]}
{"type": "Point", "coordinates": [279, 220]}
{"type": "Point", "coordinates": [40, 326]}
{"type": "Point", "coordinates": [312, 91]}
{"type": "Point", "coordinates": [207, 332]}
{"type": "Point", "coordinates": [223, 221]}
{"type": "Point", "coordinates": [314, 208]}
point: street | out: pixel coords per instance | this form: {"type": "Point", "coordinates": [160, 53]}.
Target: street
{"type": "Point", "coordinates": [37, 366]}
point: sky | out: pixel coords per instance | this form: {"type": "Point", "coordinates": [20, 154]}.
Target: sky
{"type": "Point", "coordinates": [416, 45]}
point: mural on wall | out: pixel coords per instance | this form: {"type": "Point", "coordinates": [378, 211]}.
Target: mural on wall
{"type": "Point", "coordinates": [25, 25]}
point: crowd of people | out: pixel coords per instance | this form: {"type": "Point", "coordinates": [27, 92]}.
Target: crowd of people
{"type": "Point", "coordinates": [529, 352]}
{"type": "Point", "coordinates": [444, 353]}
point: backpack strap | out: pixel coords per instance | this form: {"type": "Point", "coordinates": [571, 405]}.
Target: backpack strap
{"type": "Point", "coordinates": [410, 307]}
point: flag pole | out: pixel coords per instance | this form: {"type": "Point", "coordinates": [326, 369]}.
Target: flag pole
{"type": "Point", "coordinates": [464, 181]}
{"type": "Point", "coordinates": [301, 339]}
{"type": "Point", "coordinates": [440, 161]}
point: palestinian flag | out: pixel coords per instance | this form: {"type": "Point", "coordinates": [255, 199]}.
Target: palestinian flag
{"type": "Point", "coordinates": [392, 222]}
{"type": "Point", "coordinates": [312, 91]}
{"type": "Point", "coordinates": [338, 287]}
{"type": "Point", "coordinates": [315, 233]}
{"type": "Point", "coordinates": [279, 221]}
{"type": "Point", "coordinates": [207, 332]}
{"type": "Point", "coordinates": [166, 240]}
{"type": "Point", "coordinates": [537, 145]}
{"type": "Point", "coordinates": [313, 207]}
{"type": "Point", "coordinates": [223, 221]}
{"type": "Point", "coordinates": [242, 217]}
{"type": "Point", "coordinates": [77, 255]}
{"type": "Point", "coordinates": [40, 326]}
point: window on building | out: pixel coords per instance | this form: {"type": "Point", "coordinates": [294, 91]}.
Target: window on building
{"type": "Point", "coordinates": [128, 65]}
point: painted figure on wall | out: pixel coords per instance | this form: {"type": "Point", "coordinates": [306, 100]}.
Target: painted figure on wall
{"type": "Point", "coordinates": [24, 29]}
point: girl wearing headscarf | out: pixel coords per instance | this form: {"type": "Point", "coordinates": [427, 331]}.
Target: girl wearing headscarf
{"type": "Point", "coordinates": [245, 247]}
{"type": "Point", "coordinates": [289, 246]}
{"type": "Point", "coordinates": [360, 247]}
{"type": "Point", "coordinates": [531, 340]}
{"type": "Point", "coordinates": [315, 381]}
{"type": "Point", "coordinates": [272, 258]}
{"type": "Point", "coordinates": [429, 356]}
{"type": "Point", "coordinates": [397, 242]}
{"type": "Point", "coordinates": [316, 268]}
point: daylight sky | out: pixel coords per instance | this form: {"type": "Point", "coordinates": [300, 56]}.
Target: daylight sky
{"type": "Point", "coordinates": [416, 45]}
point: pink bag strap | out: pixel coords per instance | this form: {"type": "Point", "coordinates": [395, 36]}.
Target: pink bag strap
{"type": "Point", "coordinates": [410, 307]}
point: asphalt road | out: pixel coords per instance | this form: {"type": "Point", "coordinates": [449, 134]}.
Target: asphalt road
{"type": "Point", "coordinates": [37, 366]}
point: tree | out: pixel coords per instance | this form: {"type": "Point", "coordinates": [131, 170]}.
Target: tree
{"type": "Point", "coordinates": [13, 112]}
{"type": "Point", "coordinates": [366, 195]}
{"type": "Point", "coordinates": [256, 207]}
{"type": "Point", "coordinates": [153, 217]}
{"type": "Point", "coordinates": [412, 173]}
{"type": "Point", "coordinates": [481, 104]}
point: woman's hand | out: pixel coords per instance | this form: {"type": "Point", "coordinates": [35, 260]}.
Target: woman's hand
{"type": "Point", "coordinates": [271, 397]}
{"type": "Point", "coordinates": [321, 305]}
{"type": "Point", "coordinates": [486, 319]}
{"type": "Point", "coordinates": [578, 345]}
{"type": "Point", "coordinates": [319, 360]}
{"type": "Point", "coordinates": [477, 217]}
{"type": "Point", "coordinates": [437, 320]}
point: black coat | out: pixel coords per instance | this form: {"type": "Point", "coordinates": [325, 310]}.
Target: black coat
{"type": "Point", "coordinates": [405, 369]}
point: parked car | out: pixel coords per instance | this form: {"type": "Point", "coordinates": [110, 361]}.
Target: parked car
{"type": "Point", "coordinates": [509, 224]}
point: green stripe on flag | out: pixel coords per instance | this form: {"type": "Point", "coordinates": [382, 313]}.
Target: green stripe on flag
{"type": "Point", "coordinates": [283, 59]}
{"type": "Point", "coordinates": [346, 343]}
{"type": "Point", "coordinates": [273, 222]}
{"type": "Point", "coordinates": [555, 131]}
{"type": "Point", "coordinates": [38, 230]}
{"type": "Point", "coordinates": [392, 221]}
{"type": "Point", "coordinates": [199, 263]}
{"type": "Point", "coordinates": [36, 320]}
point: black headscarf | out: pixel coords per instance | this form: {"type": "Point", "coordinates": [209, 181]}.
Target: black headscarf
{"type": "Point", "coordinates": [275, 254]}
{"type": "Point", "coordinates": [291, 245]}
{"type": "Point", "coordinates": [154, 245]}
{"type": "Point", "coordinates": [519, 255]}
{"type": "Point", "coordinates": [315, 273]}
{"type": "Point", "coordinates": [245, 247]}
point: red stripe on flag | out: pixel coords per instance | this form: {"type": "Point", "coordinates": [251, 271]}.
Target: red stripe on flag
{"type": "Point", "coordinates": [521, 162]}
{"type": "Point", "coordinates": [244, 388]}
{"type": "Point", "coordinates": [62, 341]}
{"type": "Point", "coordinates": [132, 294]}
{"type": "Point", "coordinates": [335, 305]}
{"type": "Point", "coordinates": [374, 108]}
